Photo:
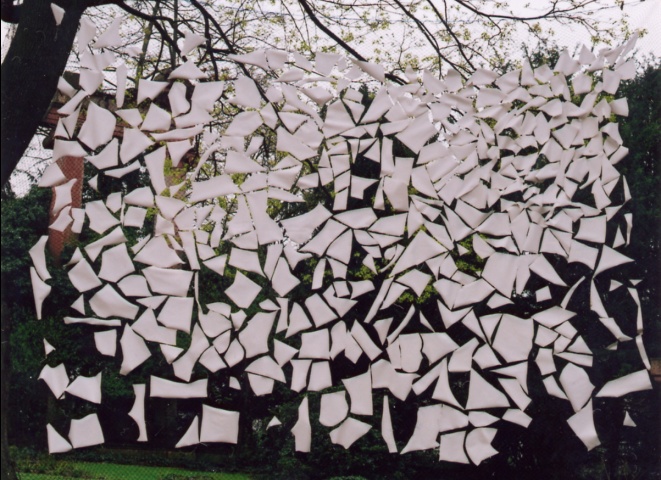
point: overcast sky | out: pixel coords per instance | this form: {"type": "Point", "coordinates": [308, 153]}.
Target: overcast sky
{"type": "Point", "coordinates": [643, 14]}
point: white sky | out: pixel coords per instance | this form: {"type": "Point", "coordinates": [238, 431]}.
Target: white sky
{"type": "Point", "coordinates": [643, 14]}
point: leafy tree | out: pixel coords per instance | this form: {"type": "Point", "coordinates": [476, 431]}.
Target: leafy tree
{"type": "Point", "coordinates": [23, 222]}
{"type": "Point", "coordinates": [641, 132]}
{"type": "Point", "coordinates": [464, 34]}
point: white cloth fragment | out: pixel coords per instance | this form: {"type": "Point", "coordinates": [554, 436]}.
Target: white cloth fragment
{"type": "Point", "coordinates": [40, 291]}
{"type": "Point", "coordinates": [350, 431]}
{"type": "Point", "coordinates": [115, 263]}
{"type": "Point", "coordinates": [582, 423]}
{"type": "Point", "coordinates": [360, 393]}
{"type": "Point", "coordinates": [108, 303]}
{"type": "Point", "coordinates": [137, 412]}
{"type": "Point", "coordinates": [56, 442]}
{"type": "Point", "coordinates": [101, 219]}
{"type": "Point", "coordinates": [254, 337]}
{"type": "Point", "coordinates": [191, 436]}
{"type": "Point", "coordinates": [168, 282]}
{"type": "Point", "coordinates": [427, 428]}
{"type": "Point", "coordinates": [163, 388]}
{"type": "Point", "coordinates": [302, 430]}
{"type": "Point", "coordinates": [48, 348]}
{"type": "Point", "coordinates": [334, 408]}
{"type": "Point", "coordinates": [134, 351]}
{"type": "Point", "coordinates": [633, 382]}
{"type": "Point", "coordinates": [243, 291]}
{"type": "Point", "coordinates": [478, 444]}
{"type": "Point", "coordinates": [576, 384]}
{"type": "Point", "coordinates": [86, 432]}
{"type": "Point", "coordinates": [58, 15]}
{"type": "Point", "coordinates": [452, 447]}
{"type": "Point", "coordinates": [628, 421]}
{"type": "Point", "coordinates": [99, 127]}
{"type": "Point", "coordinates": [56, 378]}
{"type": "Point", "coordinates": [38, 256]}
{"type": "Point", "coordinates": [482, 395]}
{"type": "Point", "coordinates": [87, 388]}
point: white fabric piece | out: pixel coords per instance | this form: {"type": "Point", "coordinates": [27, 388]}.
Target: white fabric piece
{"type": "Point", "coordinates": [101, 219]}
{"type": "Point", "coordinates": [360, 393]}
{"type": "Point", "coordinates": [192, 435]}
{"type": "Point", "coordinates": [162, 388]}
{"type": "Point", "coordinates": [40, 291]}
{"type": "Point", "coordinates": [427, 428]}
{"type": "Point", "coordinates": [219, 425]}
{"type": "Point", "coordinates": [48, 348]}
{"type": "Point", "coordinates": [38, 256]}
{"type": "Point", "coordinates": [134, 143]}
{"type": "Point", "coordinates": [134, 351]}
{"type": "Point", "coordinates": [628, 421]}
{"type": "Point", "coordinates": [349, 432]}
{"type": "Point", "coordinates": [52, 176]}
{"type": "Point", "coordinates": [177, 313]}
{"type": "Point", "coordinates": [168, 282]}
{"type": "Point", "coordinates": [478, 444]}
{"type": "Point", "coordinates": [56, 378]}
{"type": "Point", "coordinates": [137, 412]}
{"type": "Point", "coordinates": [83, 277]}
{"type": "Point", "coordinates": [116, 263]}
{"type": "Point", "coordinates": [334, 408]}
{"type": "Point", "coordinates": [87, 388]}
{"type": "Point", "coordinates": [108, 303]}
{"type": "Point", "coordinates": [633, 382]}
{"type": "Point", "coordinates": [243, 291]}
{"type": "Point", "coordinates": [482, 395]}
{"type": "Point", "coordinates": [302, 430]}
{"type": "Point", "coordinates": [106, 342]}
{"type": "Point", "coordinates": [582, 423]}
{"type": "Point", "coordinates": [56, 442]}
{"type": "Point", "coordinates": [576, 384]}
{"type": "Point", "coordinates": [254, 337]}
{"type": "Point", "coordinates": [452, 448]}
{"type": "Point", "coordinates": [134, 286]}
{"type": "Point", "coordinates": [98, 128]}
{"type": "Point", "coordinates": [63, 192]}
{"type": "Point", "coordinates": [86, 432]}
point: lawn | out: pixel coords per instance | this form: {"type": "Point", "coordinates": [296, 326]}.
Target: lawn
{"type": "Point", "coordinates": [114, 471]}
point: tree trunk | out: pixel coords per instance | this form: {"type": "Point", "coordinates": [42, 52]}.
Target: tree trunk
{"type": "Point", "coordinates": [36, 58]}
{"type": "Point", "coordinates": [8, 472]}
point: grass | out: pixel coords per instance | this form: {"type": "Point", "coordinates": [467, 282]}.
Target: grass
{"type": "Point", "coordinates": [114, 471]}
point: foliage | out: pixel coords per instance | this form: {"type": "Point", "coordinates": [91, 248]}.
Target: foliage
{"type": "Point", "coordinates": [641, 133]}
{"type": "Point", "coordinates": [29, 462]}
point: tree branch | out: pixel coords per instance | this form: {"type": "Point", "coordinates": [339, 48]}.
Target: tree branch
{"type": "Point", "coordinates": [153, 19]}
{"type": "Point", "coordinates": [451, 32]}
{"type": "Point", "coordinates": [340, 42]}
{"type": "Point", "coordinates": [551, 13]}
{"type": "Point", "coordinates": [430, 38]}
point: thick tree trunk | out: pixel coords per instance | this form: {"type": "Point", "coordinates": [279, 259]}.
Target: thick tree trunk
{"type": "Point", "coordinates": [36, 58]}
{"type": "Point", "coordinates": [7, 472]}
